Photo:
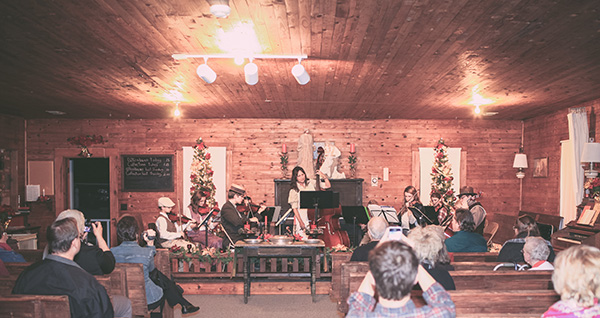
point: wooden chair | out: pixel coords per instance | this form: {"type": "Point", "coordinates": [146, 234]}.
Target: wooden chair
{"type": "Point", "coordinates": [490, 231]}
{"type": "Point", "coordinates": [34, 306]}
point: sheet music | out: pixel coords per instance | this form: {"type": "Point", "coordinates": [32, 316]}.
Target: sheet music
{"type": "Point", "coordinates": [387, 212]}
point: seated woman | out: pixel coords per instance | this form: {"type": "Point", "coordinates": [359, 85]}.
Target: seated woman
{"type": "Point", "coordinates": [410, 214]}
{"type": "Point", "coordinates": [198, 211]}
{"type": "Point", "coordinates": [465, 240]}
{"type": "Point", "coordinates": [511, 250]}
{"type": "Point", "coordinates": [536, 252]}
{"type": "Point", "coordinates": [6, 252]}
{"type": "Point", "coordinates": [130, 252]}
{"type": "Point", "coordinates": [428, 243]}
{"type": "Point", "coordinates": [576, 279]}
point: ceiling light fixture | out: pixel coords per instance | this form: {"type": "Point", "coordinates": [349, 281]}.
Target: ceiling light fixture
{"type": "Point", "coordinates": [219, 8]}
{"type": "Point", "coordinates": [300, 73]}
{"type": "Point", "coordinates": [251, 73]}
{"type": "Point", "coordinates": [250, 70]}
{"type": "Point", "coordinates": [177, 112]}
{"type": "Point", "coordinates": [206, 73]}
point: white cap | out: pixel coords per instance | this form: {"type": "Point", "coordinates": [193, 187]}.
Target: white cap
{"type": "Point", "coordinates": [164, 201]}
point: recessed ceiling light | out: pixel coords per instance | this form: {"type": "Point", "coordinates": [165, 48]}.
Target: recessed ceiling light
{"type": "Point", "coordinates": [55, 112]}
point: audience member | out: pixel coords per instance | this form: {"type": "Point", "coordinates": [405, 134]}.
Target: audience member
{"type": "Point", "coordinates": [465, 240]}
{"type": "Point", "coordinates": [95, 259]}
{"type": "Point", "coordinates": [428, 244]}
{"type": "Point", "coordinates": [58, 274]}
{"type": "Point", "coordinates": [129, 251]}
{"type": "Point", "coordinates": [6, 252]}
{"type": "Point", "coordinates": [525, 226]}
{"type": "Point", "coordinates": [467, 199]}
{"type": "Point", "coordinates": [394, 270]}
{"type": "Point", "coordinates": [375, 230]}
{"type": "Point", "coordinates": [536, 252]}
{"type": "Point", "coordinates": [576, 279]}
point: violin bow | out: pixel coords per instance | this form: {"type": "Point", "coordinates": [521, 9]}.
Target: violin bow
{"type": "Point", "coordinates": [179, 213]}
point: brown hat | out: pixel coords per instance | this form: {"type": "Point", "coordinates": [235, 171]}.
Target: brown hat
{"type": "Point", "coordinates": [466, 190]}
{"type": "Point", "coordinates": [238, 189]}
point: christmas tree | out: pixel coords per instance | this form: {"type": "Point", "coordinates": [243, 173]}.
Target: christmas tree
{"type": "Point", "coordinates": [441, 174]}
{"type": "Point", "coordinates": [202, 173]}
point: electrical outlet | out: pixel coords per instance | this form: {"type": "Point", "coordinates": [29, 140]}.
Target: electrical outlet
{"type": "Point", "coordinates": [374, 181]}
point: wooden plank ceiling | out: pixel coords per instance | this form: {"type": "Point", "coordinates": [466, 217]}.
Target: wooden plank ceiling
{"type": "Point", "coordinates": [366, 58]}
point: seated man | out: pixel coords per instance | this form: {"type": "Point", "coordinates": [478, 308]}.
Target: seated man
{"type": "Point", "coordinates": [375, 229]}
{"type": "Point", "coordinates": [394, 270]}
{"type": "Point", "coordinates": [6, 252]}
{"type": "Point", "coordinates": [58, 274]}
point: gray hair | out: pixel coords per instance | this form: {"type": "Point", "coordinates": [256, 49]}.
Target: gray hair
{"type": "Point", "coordinates": [429, 244]}
{"type": "Point", "coordinates": [537, 248]}
{"type": "Point", "coordinates": [376, 227]}
{"type": "Point", "coordinates": [77, 215]}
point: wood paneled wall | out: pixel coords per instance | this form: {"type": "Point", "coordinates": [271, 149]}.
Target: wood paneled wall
{"type": "Point", "coordinates": [542, 139]}
{"type": "Point", "coordinates": [12, 138]}
{"type": "Point", "coordinates": [255, 145]}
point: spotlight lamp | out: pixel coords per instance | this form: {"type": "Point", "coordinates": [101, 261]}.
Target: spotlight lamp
{"type": "Point", "coordinates": [250, 69]}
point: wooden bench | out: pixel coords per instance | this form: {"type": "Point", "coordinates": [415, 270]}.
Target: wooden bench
{"type": "Point", "coordinates": [473, 257]}
{"type": "Point", "coordinates": [16, 268]}
{"type": "Point", "coordinates": [472, 280]}
{"type": "Point", "coordinates": [127, 280]}
{"type": "Point", "coordinates": [34, 306]}
{"type": "Point", "coordinates": [31, 256]}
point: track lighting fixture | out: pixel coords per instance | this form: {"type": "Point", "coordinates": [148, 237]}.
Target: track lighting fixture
{"type": "Point", "coordinates": [250, 69]}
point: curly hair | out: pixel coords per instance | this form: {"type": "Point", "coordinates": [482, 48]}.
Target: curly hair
{"type": "Point", "coordinates": [537, 248]}
{"type": "Point", "coordinates": [465, 220]}
{"type": "Point", "coordinates": [428, 243]}
{"type": "Point", "coordinates": [394, 267]}
{"type": "Point", "coordinates": [577, 274]}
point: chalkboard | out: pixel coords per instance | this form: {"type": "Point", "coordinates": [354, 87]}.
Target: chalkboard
{"type": "Point", "coordinates": [147, 173]}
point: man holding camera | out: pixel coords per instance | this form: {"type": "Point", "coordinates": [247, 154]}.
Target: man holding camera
{"type": "Point", "coordinates": [394, 269]}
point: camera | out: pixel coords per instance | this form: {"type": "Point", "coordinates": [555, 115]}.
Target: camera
{"type": "Point", "coordinates": [88, 226]}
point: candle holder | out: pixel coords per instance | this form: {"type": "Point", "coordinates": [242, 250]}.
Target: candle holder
{"type": "Point", "coordinates": [283, 159]}
{"type": "Point", "coordinates": [352, 163]}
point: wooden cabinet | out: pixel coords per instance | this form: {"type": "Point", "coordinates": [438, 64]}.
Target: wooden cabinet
{"type": "Point", "coordinates": [350, 191]}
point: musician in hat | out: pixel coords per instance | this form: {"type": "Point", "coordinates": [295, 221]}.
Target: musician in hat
{"type": "Point", "coordinates": [467, 199]}
{"type": "Point", "coordinates": [231, 219]}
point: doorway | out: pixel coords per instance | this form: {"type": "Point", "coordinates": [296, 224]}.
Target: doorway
{"type": "Point", "coordinates": [89, 191]}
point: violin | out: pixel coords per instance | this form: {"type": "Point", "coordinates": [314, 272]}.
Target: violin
{"type": "Point", "coordinates": [204, 210]}
{"type": "Point", "coordinates": [173, 217]}
{"type": "Point", "coordinates": [248, 206]}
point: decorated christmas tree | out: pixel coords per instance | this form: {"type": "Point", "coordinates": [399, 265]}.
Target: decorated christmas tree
{"type": "Point", "coordinates": [441, 174]}
{"type": "Point", "coordinates": [202, 173]}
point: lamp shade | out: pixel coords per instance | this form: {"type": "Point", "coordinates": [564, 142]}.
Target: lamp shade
{"type": "Point", "coordinates": [206, 73]}
{"type": "Point", "coordinates": [591, 152]}
{"type": "Point", "coordinates": [520, 161]}
{"type": "Point", "coordinates": [251, 73]}
{"type": "Point", "coordinates": [300, 74]}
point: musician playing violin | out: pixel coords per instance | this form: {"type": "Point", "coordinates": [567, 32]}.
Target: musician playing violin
{"type": "Point", "coordinates": [198, 211]}
{"type": "Point", "coordinates": [408, 219]}
{"type": "Point", "coordinates": [231, 219]}
{"type": "Point", "coordinates": [170, 226]}
{"type": "Point", "coordinates": [442, 212]}
{"type": "Point", "coordinates": [300, 182]}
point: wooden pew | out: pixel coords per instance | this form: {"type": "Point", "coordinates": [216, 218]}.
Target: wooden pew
{"type": "Point", "coordinates": [7, 284]}
{"type": "Point", "coordinates": [34, 306]}
{"type": "Point", "coordinates": [16, 268]}
{"type": "Point", "coordinates": [127, 280]}
{"type": "Point", "coordinates": [473, 257]}
{"type": "Point", "coordinates": [31, 256]}
{"type": "Point", "coordinates": [469, 280]}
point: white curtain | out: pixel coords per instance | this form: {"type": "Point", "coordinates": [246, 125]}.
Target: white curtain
{"type": "Point", "coordinates": [568, 204]}
{"type": "Point", "coordinates": [578, 136]}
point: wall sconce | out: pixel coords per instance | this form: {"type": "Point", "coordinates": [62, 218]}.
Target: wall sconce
{"type": "Point", "coordinates": [591, 155]}
{"type": "Point", "coordinates": [520, 163]}
{"type": "Point", "coordinates": [250, 70]}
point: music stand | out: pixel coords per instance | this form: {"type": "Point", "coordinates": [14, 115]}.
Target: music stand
{"type": "Point", "coordinates": [283, 218]}
{"type": "Point", "coordinates": [386, 212]}
{"type": "Point", "coordinates": [319, 200]}
{"type": "Point", "coordinates": [420, 215]}
{"type": "Point", "coordinates": [429, 212]}
{"type": "Point", "coordinates": [355, 213]}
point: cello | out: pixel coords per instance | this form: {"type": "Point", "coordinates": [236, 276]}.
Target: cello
{"type": "Point", "coordinates": [329, 221]}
